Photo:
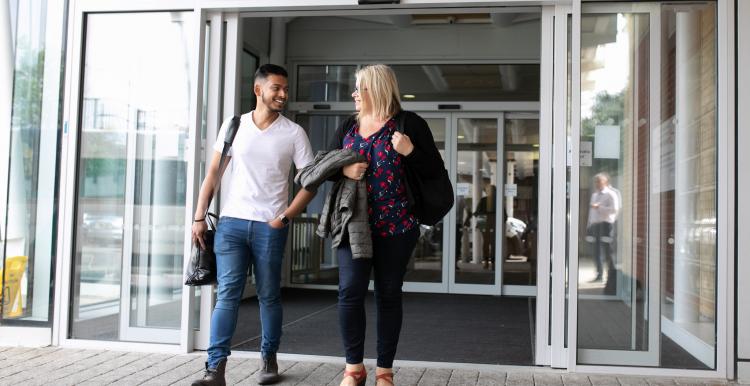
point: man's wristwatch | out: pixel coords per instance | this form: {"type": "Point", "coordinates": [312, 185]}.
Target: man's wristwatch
{"type": "Point", "coordinates": [284, 219]}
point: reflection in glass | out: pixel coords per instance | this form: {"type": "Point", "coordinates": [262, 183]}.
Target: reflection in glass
{"type": "Point", "coordinates": [476, 201]}
{"type": "Point", "coordinates": [132, 173]}
{"type": "Point", "coordinates": [468, 82]}
{"type": "Point", "coordinates": [27, 222]}
{"type": "Point", "coordinates": [521, 185]}
{"type": "Point", "coordinates": [325, 83]}
{"type": "Point", "coordinates": [648, 189]}
{"type": "Point", "coordinates": [611, 314]}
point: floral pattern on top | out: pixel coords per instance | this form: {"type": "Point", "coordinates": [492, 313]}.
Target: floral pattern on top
{"type": "Point", "coordinates": [386, 193]}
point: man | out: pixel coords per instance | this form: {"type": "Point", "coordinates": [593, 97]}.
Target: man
{"type": "Point", "coordinates": [604, 206]}
{"type": "Point", "coordinates": [252, 230]}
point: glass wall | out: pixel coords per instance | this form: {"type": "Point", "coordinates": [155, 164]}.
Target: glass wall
{"type": "Point", "coordinates": [130, 216]}
{"type": "Point", "coordinates": [647, 200]}
{"type": "Point", "coordinates": [27, 230]}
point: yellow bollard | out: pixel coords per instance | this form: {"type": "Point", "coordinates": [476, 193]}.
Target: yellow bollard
{"type": "Point", "coordinates": [15, 267]}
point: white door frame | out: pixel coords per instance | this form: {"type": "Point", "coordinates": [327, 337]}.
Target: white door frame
{"type": "Point", "coordinates": [725, 194]}
{"type": "Point", "coordinates": [649, 357]}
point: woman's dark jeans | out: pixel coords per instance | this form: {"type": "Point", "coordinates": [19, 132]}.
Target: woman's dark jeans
{"type": "Point", "coordinates": [390, 257]}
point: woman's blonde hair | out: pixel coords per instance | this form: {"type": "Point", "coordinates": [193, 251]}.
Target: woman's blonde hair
{"type": "Point", "coordinates": [380, 82]}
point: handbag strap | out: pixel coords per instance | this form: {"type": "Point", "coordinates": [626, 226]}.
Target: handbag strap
{"type": "Point", "coordinates": [211, 220]}
{"type": "Point", "coordinates": [228, 140]}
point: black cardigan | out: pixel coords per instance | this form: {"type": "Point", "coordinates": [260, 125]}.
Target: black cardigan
{"type": "Point", "coordinates": [425, 159]}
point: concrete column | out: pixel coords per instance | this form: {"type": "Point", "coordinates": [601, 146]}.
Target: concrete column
{"type": "Point", "coordinates": [687, 68]}
{"type": "Point", "coordinates": [476, 195]}
{"type": "Point", "coordinates": [277, 50]}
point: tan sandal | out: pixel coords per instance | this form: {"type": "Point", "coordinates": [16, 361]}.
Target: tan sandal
{"type": "Point", "coordinates": [359, 376]}
{"type": "Point", "coordinates": [388, 377]}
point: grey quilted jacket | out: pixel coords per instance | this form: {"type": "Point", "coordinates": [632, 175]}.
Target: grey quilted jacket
{"type": "Point", "coordinates": [345, 208]}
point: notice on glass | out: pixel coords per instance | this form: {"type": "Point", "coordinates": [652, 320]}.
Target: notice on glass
{"type": "Point", "coordinates": [511, 190]}
{"type": "Point", "coordinates": [586, 155]}
{"type": "Point", "coordinates": [607, 140]}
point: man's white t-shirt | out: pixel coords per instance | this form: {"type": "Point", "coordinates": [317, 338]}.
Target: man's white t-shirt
{"type": "Point", "coordinates": [261, 161]}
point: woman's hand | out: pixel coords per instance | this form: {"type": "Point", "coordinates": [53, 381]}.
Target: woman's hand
{"type": "Point", "coordinates": [355, 171]}
{"type": "Point", "coordinates": [402, 144]}
{"type": "Point", "coordinates": [198, 229]}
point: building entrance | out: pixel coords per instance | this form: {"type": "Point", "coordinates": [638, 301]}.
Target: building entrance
{"type": "Point", "coordinates": [487, 243]}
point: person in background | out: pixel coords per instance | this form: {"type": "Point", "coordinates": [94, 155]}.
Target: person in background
{"type": "Point", "coordinates": [603, 209]}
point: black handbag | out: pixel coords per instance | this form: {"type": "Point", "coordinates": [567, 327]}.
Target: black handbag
{"type": "Point", "coordinates": [432, 197]}
{"type": "Point", "coordinates": [202, 267]}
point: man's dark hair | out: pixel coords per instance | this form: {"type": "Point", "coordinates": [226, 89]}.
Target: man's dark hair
{"type": "Point", "coordinates": [270, 69]}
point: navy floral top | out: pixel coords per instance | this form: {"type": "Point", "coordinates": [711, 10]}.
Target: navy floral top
{"type": "Point", "coordinates": [386, 194]}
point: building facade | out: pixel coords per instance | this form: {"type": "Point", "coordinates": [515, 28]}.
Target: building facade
{"type": "Point", "coordinates": [108, 111]}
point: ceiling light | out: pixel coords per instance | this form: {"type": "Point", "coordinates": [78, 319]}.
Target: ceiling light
{"type": "Point", "coordinates": [409, 96]}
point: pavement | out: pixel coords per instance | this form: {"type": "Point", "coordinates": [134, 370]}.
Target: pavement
{"type": "Point", "coordinates": [68, 366]}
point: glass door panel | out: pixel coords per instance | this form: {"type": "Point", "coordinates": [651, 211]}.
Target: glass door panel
{"type": "Point", "coordinates": [130, 219]}
{"type": "Point", "coordinates": [427, 262]}
{"type": "Point", "coordinates": [647, 186]}
{"type": "Point", "coordinates": [520, 200]}
{"type": "Point", "coordinates": [477, 218]}
{"type": "Point", "coordinates": [613, 236]}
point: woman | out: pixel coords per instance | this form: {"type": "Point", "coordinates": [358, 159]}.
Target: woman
{"type": "Point", "coordinates": [373, 133]}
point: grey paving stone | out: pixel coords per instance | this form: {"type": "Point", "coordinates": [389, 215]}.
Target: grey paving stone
{"type": "Point", "coordinates": [661, 381]}
{"type": "Point", "coordinates": [463, 378]}
{"type": "Point", "coordinates": [576, 380]}
{"type": "Point", "coordinates": [296, 373]}
{"type": "Point", "coordinates": [408, 376]}
{"type": "Point", "coordinates": [118, 360]}
{"type": "Point", "coordinates": [12, 366]}
{"type": "Point", "coordinates": [239, 369]}
{"type": "Point", "coordinates": [150, 370]}
{"type": "Point", "coordinates": [192, 377]}
{"type": "Point", "coordinates": [518, 378]}
{"type": "Point", "coordinates": [322, 375]}
{"type": "Point", "coordinates": [49, 371]}
{"type": "Point", "coordinates": [435, 377]}
{"type": "Point", "coordinates": [85, 369]}
{"type": "Point", "coordinates": [175, 374]}
{"type": "Point", "coordinates": [250, 378]}
{"type": "Point", "coordinates": [632, 381]}
{"type": "Point", "coordinates": [126, 369]}
{"type": "Point", "coordinates": [604, 380]}
{"type": "Point", "coordinates": [547, 379]}
{"type": "Point", "coordinates": [491, 378]}
{"type": "Point", "coordinates": [336, 378]}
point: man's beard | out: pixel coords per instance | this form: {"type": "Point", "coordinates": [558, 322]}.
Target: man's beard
{"type": "Point", "coordinates": [270, 102]}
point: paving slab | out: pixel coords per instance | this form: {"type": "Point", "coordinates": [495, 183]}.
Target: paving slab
{"type": "Point", "coordinates": [57, 366]}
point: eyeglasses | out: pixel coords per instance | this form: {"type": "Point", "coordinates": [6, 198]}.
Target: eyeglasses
{"type": "Point", "coordinates": [357, 89]}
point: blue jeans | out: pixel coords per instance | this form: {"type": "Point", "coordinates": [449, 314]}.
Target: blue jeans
{"type": "Point", "coordinates": [241, 244]}
{"type": "Point", "coordinates": [390, 257]}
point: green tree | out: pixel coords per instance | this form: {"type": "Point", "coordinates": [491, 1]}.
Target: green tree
{"type": "Point", "coordinates": [608, 110]}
